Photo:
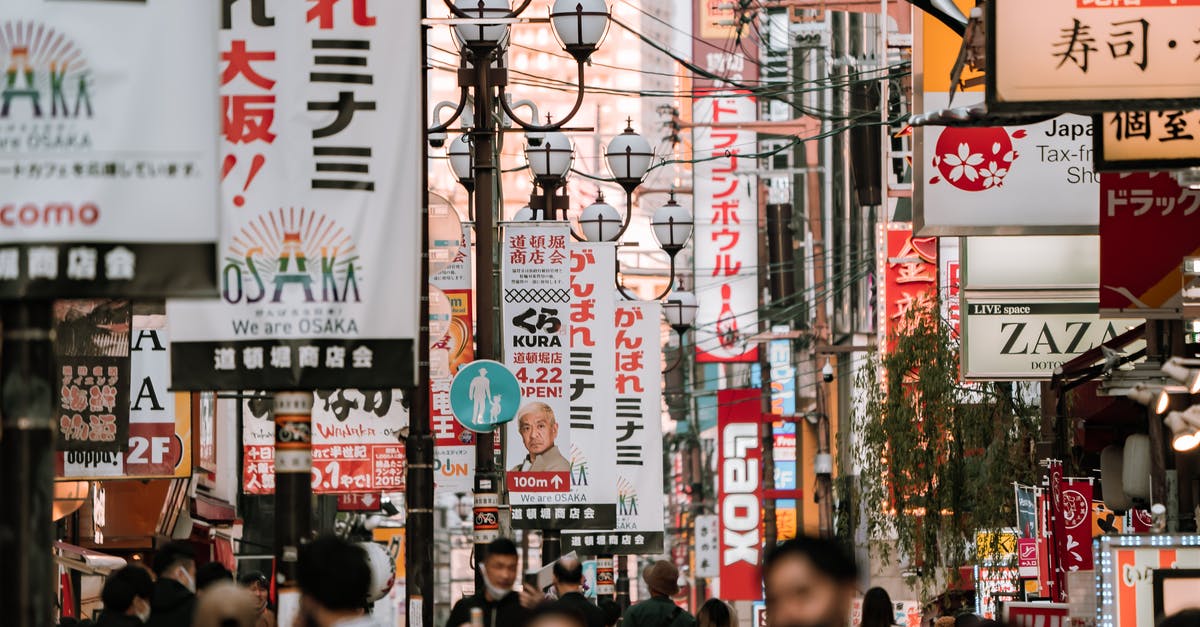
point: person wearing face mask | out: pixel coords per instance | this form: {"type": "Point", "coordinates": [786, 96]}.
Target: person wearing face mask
{"type": "Point", "coordinates": [809, 582]}
{"type": "Point", "coordinates": [126, 596]}
{"type": "Point", "coordinates": [174, 602]}
{"type": "Point", "coordinates": [501, 606]}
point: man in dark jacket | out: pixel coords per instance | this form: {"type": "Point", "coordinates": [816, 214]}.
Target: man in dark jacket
{"type": "Point", "coordinates": [568, 584]}
{"type": "Point", "coordinates": [174, 602]}
{"type": "Point", "coordinates": [126, 596]}
{"type": "Point", "coordinates": [662, 578]}
{"type": "Point", "coordinates": [502, 607]}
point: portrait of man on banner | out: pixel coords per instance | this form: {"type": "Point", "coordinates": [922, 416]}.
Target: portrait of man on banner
{"type": "Point", "coordinates": [539, 430]}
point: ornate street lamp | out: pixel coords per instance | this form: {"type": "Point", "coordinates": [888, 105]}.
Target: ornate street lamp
{"type": "Point", "coordinates": [672, 225]}
{"type": "Point", "coordinates": [600, 222]}
{"type": "Point", "coordinates": [580, 26]}
{"type": "Point", "coordinates": [481, 36]}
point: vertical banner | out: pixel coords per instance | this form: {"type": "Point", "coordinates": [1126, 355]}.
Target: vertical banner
{"type": "Point", "coordinates": [783, 403]}
{"type": "Point", "coordinates": [258, 446]}
{"type": "Point", "coordinates": [637, 479]}
{"type": "Point", "coordinates": [1076, 514]}
{"type": "Point", "coordinates": [91, 350]}
{"type": "Point", "coordinates": [108, 156]}
{"type": "Point", "coordinates": [321, 158]}
{"type": "Point", "coordinates": [454, 446]}
{"type": "Point", "coordinates": [739, 492]}
{"type": "Point", "coordinates": [1058, 532]}
{"type": "Point", "coordinates": [909, 269]}
{"type": "Point", "coordinates": [708, 546]}
{"type": "Point", "coordinates": [160, 426]}
{"type": "Point", "coordinates": [725, 189]}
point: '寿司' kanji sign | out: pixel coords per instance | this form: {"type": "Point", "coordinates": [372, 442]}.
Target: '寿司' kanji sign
{"type": "Point", "coordinates": [909, 269]}
{"type": "Point", "coordinates": [1137, 208]}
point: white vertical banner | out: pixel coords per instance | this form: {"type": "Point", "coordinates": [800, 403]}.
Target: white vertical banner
{"type": "Point", "coordinates": [639, 453]}
{"type": "Point", "coordinates": [454, 448]}
{"type": "Point", "coordinates": [726, 240]}
{"type": "Point", "coordinates": [708, 546]}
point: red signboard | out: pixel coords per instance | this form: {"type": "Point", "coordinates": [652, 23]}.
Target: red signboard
{"type": "Point", "coordinates": [1148, 224]}
{"type": "Point", "coordinates": [359, 502]}
{"type": "Point", "coordinates": [739, 492]}
{"type": "Point", "coordinates": [909, 270]}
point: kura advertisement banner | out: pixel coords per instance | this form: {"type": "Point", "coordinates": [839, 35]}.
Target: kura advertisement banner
{"type": "Point", "coordinates": [454, 446]}
{"type": "Point", "coordinates": [587, 381]}
{"type": "Point", "coordinates": [108, 152]}
{"type": "Point", "coordinates": [739, 492]}
{"type": "Point", "coordinates": [1135, 208]}
{"type": "Point", "coordinates": [320, 196]}
{"type": "Point", "coordinates": [637, 481]}
{"type": "Point", "coordinates": [91, 351]}
{"type": "Point", "coordinates": [160, 425]}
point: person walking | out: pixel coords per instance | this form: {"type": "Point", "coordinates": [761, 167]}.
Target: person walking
{"type": "Point", "coordinates": [500, 605]}
{"type": "Point", "coordinates": [126, 596]}
{"type": "Point", "coordinates": [334, 579]}
{"type": "Point", "coordinates": [568, 585]}
{"type": "Point", "coordinates": [715, 613]}
{"type": "Point", "coordinates": [257, 584]}
{"type": "Point", "coordinates": [877, 609]}
{"type": "Point", "coordinates": [662, 578]}
{"type": "Point", "coordinates": [174, 603]}
{"type": "Point", "coordinates": [809, 582]}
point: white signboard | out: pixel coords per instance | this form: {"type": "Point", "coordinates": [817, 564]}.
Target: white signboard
{"type": "Point", "coordinates": [1091, 56]}
{"type": "Point", "coordinates": [1004, 180]}
{"type": "Point", "coordinates": [637, 409]}
{"type": "Point", "coordinates": [1025, 337]}
{"type": "Point", "coordinates": [1031, 262]}
{"type": "Point", "coordinates": [726, 233]}
{"type": "Point", "coordinates": [321, 195]}
{"type": "Point", "coordinates": [708, 546]}
{"type": "Point", "coordinates": [108, 151]}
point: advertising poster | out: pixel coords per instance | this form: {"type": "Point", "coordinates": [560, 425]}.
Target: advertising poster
{"type": "Point", "coordinates": [108, 156]}
{"type": "Point", "coordinates": [258, 446]}
{"type": "Point", "coordinates": [910, 278]}
{"type": "Point", "coordinates": [639, 455]}
{"type": "Point", "coordinates": [91, 351]}
{"type": "Point", "coordinates": [739, 492]}
{"type": "Point", "coordinates": [454, 446]}
{"type": "Point", "coordinates": [160, 425]}
{"type": "Point", "coordinates": [320, 163]}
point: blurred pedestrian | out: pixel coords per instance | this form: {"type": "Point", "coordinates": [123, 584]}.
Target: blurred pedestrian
{"type": "Point", "coordinates": [715, 613]}
{"type": "Point", "coordinates": [174, 602]}
{"type": "Point", "coordinates": [499, 604]}
{"type": "Point", "coordinates": [126, 596]}
{"type": "Point", "coordinates": [224, 604]}
{"type": "Point", "coordinates": [211, 573]}
{"type": "Point", "coordinates": [1185, 618]}
{"type": "Point", "coordinates": [334, 579]}
{"type": "Point", "coordinates": [258, 585]}
{"type": "Point", "coordinates": [967, 619]}
{"type": "Point", "coordinates": [568, 585]}
{"type": "Point", "coordinates": [612, 612]}
{"type": "Point", "coordinates": [877, 609]}
{"type": "Point", "coordinates": [662, 578]}
{"type": "Point", "coordinates": [554, 615]}
{"type": "Point", "coordinates": [809, 582]}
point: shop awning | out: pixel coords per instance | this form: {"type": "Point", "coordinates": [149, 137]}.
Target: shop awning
{"type": "Point", "coordinates": [86, 561]}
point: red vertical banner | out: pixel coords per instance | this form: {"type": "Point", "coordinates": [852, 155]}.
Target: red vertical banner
{"type": "Point", "coordinates": [739, 493]}
{"type": "Point", "coordinates": [1074, 515]}
{"type": "Point", "coordinates": [909, 267]}
{"type": "Point", "coordinates": [1058, 531]}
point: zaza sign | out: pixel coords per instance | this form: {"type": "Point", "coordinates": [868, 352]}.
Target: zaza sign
{"type": "Point", "coordinates": [740, 493]}
{"type": "Point", "coordinates": [1017, 337]}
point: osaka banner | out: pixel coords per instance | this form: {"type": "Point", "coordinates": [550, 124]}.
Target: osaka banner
{"type": "Point", "coordinates": [542, 429]}
{"type": "Point", "coordinates": [320, 196]}
{"type": "Point", "coordinates": [92, 354]}
{"type": "Point", "coordinates": [739, 492]}
{"type": "Point", "coordinates": [454, 446]}
{"type": "Point", "coordinates": [108, 158]}
{"type": "Point", "coordinates": [160, 422]}
{"type": "Point", "coordinates": [725, 189]}
{"type": "Point", "coordinates": [639, 453]}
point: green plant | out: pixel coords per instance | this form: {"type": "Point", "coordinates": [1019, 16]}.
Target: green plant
{"type": "Point", "coordinates": [938, 456]}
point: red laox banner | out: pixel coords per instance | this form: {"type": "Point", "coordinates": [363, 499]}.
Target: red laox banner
{"type": "Point", "coordinates": [725, 190]}
{"type": "Point", "coordinates": [739, 493]}
{"type": "Point", "coordinates": [909, 270]}
{"type": "Point", "coordinates": [1135, 208]}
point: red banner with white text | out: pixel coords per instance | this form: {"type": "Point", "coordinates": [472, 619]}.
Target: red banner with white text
{"type": "Point", "coordinates": [739, 492]}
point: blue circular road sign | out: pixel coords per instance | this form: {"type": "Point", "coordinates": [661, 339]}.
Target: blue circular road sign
{"type": "Point", "coordinates": [483, 395]}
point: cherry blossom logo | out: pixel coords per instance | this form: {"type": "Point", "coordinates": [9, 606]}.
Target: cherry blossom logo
{"type": "Point", "coordinates": [975, 159]}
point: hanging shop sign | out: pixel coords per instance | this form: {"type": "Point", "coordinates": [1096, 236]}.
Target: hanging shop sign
{"type": "Point", "coordinates": [1126, 567]}
{"type": "Point", "coordinates": [909, 269]}
{"type": "Point", "coordinates": [1004, 180]}
{"type": "Point", "coordinates": [708, 546]}
{"type": "Point", "coordinates": [91, 351]}
{"type": "Point", "coordinates": [739, 492]}
{"type": "Point", "coordinates": [160, 422]}
{"type": "Point", "coordinates": [950, 283]}
{"type": "Point", "coordinates": [454, 446]}
{"type": "Point", "coordinates": [585, 381]}
{"type": "Point", "coordinates": [319, 205]}
{"type": "Point", "coordinates": [1136, 208]}
{"type": "Point", "coordinates": [992, 583]}
{"type": "Point", "coordinates": [1030, 262]}
{"type": "Point", "coordinates": [107, 155]}
{"type": "Point", "coordinates": [1147, 140]}
{"type": "Point", "coordinates": [637, 408]}
{"type": "Point", "coordinates": [1076, 56]}
{"type": "Point", "coordinates": [1026, 335]}
{"type": "Point", "coordinates": [1046, 614]}
{"type": "Point", "coordinates": [258, 446]}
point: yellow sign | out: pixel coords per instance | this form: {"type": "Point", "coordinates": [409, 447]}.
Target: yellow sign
{"type": "Point", "coordinates": [1151, 140]}
{"type": "Point", "coordinates": [996, 546]}
{"type": "Point", "coordinates": [392, 538]}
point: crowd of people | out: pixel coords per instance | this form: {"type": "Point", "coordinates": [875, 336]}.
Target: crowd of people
{"type": "Point", "coordinates": [807, 582]}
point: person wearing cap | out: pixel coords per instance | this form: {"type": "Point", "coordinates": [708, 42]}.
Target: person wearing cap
{"type": "Point", "coordinates": [174, 600]}
{"type": "Point", "coordinates": [257, 584]}
{"type": "Point", "coordinates": [662, 579]}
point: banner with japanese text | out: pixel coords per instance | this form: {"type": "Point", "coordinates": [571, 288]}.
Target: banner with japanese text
{"type": "Point", "coordinates": [637, 481]}
{"type": "Point", "coordinates": [108, 156]}
{"type": "Point", "coordinates": [909, 269]}
{"type": "Point", "coordinates": [1075, 511]}
{"type": "Point", "coordinates": [91, 351]}
{"type": "Point", "coordinates": [320, 196]}
{"type": "Point", "coordinates": [160, 422]}
{"type": "Point", "coordinates": [454, 446]}
{"type": "Point", "coordinates": [585, 379]}
{"type": "Point", "coordinates": [739, 492]}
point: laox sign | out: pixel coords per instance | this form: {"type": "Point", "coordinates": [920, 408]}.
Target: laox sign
{"type": "Point", "coordinates": [739, 494]}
